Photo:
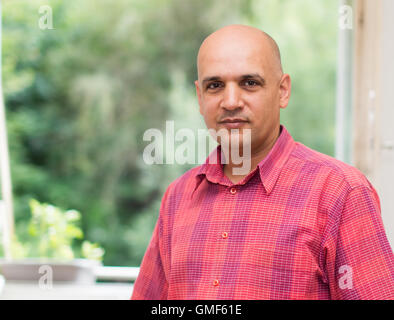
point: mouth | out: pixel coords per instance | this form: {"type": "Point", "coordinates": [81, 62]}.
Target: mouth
{"type": "Point", "coordinates": [233, 123]}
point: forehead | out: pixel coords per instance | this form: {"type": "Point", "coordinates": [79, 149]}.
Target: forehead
{"type": "Point", "coordinates": [227, 58]}
{"type": "Point", "coordinates": [232, 65]}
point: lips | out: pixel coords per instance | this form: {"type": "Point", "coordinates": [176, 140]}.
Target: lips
{"type": "Point", "coordinates": [232, 120]}
{"type": "Point", "coordinates": [233, 123]}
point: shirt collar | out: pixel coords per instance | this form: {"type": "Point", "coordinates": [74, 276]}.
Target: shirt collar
{"type": "Point", "coordinates": [269, 168]}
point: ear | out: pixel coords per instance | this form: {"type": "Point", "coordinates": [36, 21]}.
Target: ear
{"type": "Point", "coordinates": [198, 92]}
{"type": "Point", "coordinates": [284, 91]}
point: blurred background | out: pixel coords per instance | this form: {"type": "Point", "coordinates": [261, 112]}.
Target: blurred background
{"type": "Point", "coordinates": [79, 96]}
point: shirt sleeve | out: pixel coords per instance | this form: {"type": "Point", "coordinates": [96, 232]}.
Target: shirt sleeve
{"type": "Point", "coordinates": [359, 259]}
{"type": "Point", "coordinates": [151, 283]}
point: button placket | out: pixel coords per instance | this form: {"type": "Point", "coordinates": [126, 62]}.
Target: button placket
{"type": "Point", "coordinates": [224, 234]}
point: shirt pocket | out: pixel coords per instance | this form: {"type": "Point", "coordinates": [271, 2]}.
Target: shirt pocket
{"type": "Point", "coordinates": [276, 274]}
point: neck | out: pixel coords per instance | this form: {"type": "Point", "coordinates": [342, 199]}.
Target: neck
{"type": "Point", "coordinates": [257, 155]}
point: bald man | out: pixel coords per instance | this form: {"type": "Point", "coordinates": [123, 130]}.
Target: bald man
{"type": "Point", "coordinates": [297, 225]}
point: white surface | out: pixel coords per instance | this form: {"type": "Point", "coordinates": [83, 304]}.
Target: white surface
{"type": "Point", "coordinates": [116, 273]}
{"type": "Point", "coordinates": [373, 115]}
{"type": "Point", "coordinates": [385, 167]}
{"type": "Point", "coordinates": [5, 180]}
{"type": "Point", "coordinates": [2, 282]}
{"type": "Point", "coordinates": [344, 92]}
{"type": "Point", "coordinates": [14, 290]}
{"type": "Point", "coordinates": [32, 290]}
{"type": "Point", "coordinates": [2, 213]}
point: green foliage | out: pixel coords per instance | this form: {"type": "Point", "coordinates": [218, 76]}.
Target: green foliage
{"type": "Point", "coordinates": [306, 32]}
{"type": "Point", "coordinates": [79, 98]}
{"type": "Point", "coordinates": [92, 251]}
{"type": "Point", "coordinates": [51, 232]}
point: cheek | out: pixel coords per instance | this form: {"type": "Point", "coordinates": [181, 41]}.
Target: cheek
{"type": "Point", "coordinates": [263, 114]}
{"type": "Point", "coordinates": [209, 109]}
{"type": "Point", "coordinates": [264, 102]}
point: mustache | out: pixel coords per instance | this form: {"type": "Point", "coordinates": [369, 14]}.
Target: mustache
{"type": "Point", "coordinates": [233, 115]}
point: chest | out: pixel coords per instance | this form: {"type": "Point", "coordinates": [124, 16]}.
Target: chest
{"type": "Point", "coordinates": [225, 222]}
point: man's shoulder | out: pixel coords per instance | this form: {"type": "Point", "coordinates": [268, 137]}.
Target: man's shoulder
{"type": "Point", "coordinates": [185, 182]}
{"type": "Point", "coordinates": [334, 168]}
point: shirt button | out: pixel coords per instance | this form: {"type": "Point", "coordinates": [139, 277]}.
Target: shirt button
{"type": "Point", "coordinates": [224, 235]}
{"type": "Point", "coordinates": [233, 190]}
{"type": "Point", "coordinates": [216, 282]}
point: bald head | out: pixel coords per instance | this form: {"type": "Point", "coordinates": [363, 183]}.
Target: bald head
{"type": "Point", "coordinates": [236, 39]}
{"type": "Point", "coordinates": [241, 85]}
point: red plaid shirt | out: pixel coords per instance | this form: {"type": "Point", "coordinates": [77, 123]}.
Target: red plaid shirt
{"type": "Point", "coordinates": [302, 225]}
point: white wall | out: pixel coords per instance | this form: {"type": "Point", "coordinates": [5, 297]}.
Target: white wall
{"type": "Point", "coordinates": [373, 109]}
{"type": "Point", "coordinates": [385, 166]}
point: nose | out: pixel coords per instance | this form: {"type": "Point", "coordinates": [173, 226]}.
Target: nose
{"type": "Point", "coordinates": [232, 97]}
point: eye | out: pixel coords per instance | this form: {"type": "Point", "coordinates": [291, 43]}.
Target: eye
{"type": "Point", "coordinates": [250, 83]}
{"type": "Point", "coordinates": [214, 85]}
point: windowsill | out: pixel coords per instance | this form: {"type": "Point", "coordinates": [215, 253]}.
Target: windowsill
{"type": "Point", "coordinates": [117, 285]}
{"type": "Point", "coordinates": [116, 273]}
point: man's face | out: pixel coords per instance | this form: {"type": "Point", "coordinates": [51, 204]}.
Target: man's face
{"type": "Point", "coordinates": [239, 88]}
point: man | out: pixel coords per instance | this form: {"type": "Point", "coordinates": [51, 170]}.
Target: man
{"type": "Point", "coordinates": [297, 225]}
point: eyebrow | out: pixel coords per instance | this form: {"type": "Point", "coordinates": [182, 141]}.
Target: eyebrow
{"type": "Point", "coordinates": [243, 77]}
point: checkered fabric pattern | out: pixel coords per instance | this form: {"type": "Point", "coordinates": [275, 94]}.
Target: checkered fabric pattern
{"type": "Point", "coordinates": [302, 225]}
